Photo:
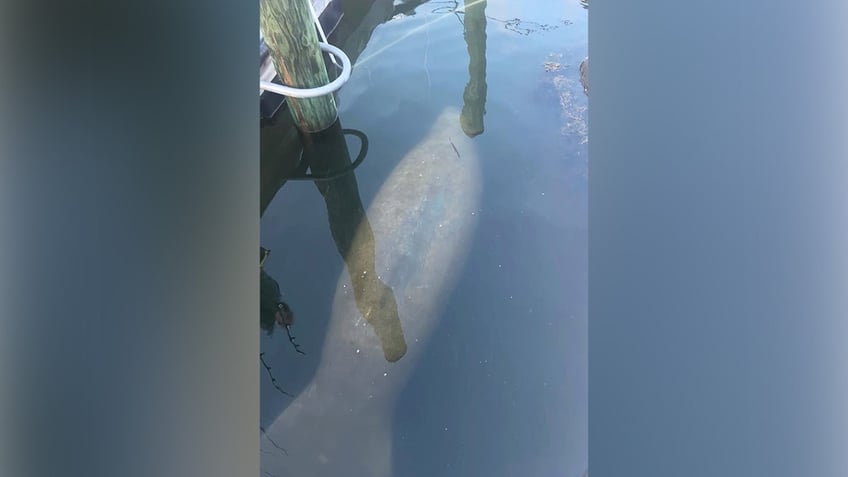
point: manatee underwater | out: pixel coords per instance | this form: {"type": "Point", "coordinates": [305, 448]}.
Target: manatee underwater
{"type": "Point", "coordinates": [421, 225]}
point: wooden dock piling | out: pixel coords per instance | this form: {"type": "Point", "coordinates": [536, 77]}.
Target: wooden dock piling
{"type": "Point", "coordinates": [289, 32]}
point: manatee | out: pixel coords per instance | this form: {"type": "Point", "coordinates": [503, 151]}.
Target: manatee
{"type": "Point", "coordinates": [421, 222]}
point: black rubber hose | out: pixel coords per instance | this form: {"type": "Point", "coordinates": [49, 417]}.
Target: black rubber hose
{"type": "Point", "coordinates": [363, 151]}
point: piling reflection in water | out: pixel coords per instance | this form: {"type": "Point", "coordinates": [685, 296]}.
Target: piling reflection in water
{"type": "Point", "coordinates": [407, 7]}
{"type": "Point", "coordinates": [584, 65]}
{"type": "Point", "coordinates": [420, 226]}
{"type": "Point", "coordinates": [474, 96]}
{"type": "Point", "coordinates": [325, 154]}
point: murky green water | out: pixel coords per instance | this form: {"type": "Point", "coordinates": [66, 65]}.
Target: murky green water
{"type": "Point", "coordinates": [440, 291]}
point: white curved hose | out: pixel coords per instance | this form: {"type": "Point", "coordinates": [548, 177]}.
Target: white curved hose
{"type": "Point", "coordinates": [321, 30]}
{"type": "Point", "coordinates": [321, 90]}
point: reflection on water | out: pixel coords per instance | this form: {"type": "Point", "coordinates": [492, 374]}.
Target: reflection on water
{"type": "Point", "coordinates": [441, 300]}
{"type": "Point", "coordinates": [273, 311]}
{"type": "Point", "coordinates": [413, 239]}
{"type": "Point", "coordinates": [474, 96]}
{"type": "Point", "coordinates": [407, 7]}
{"type": "Point", "coordinates": [326, 152]}
{"type": "Point", "coordinates": [325, 160]}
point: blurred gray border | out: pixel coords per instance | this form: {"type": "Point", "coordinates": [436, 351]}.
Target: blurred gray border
{"type": "Point", "coordinates": [716, 218]}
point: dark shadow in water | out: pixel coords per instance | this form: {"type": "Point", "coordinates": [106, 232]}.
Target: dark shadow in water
{"type": "Point", "coordinates": [281, 159]}
{"type": "Point", "coordinates": [273, 310]}
{"type": "Point", "coordinates": [326, 154]}
{"type": "Point", "coordinates": [326, 161]}
{"type": "Point", "coordinates": [474, 96]}
{"type": "Point", "coordinates": [361, 18]}
{"type": "Point", "coordinates": [282, 149]}
{"type": "Point", "coordinates": [407, 8]}
{"type": "Point", "coordinates": [279, 150]}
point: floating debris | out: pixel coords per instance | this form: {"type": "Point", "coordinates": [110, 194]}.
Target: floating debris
{"type": "Point", "coordinates": [551, 66]}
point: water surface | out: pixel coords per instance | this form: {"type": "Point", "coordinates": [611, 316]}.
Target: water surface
{"type": "Point", "coordinates": [439, 291]}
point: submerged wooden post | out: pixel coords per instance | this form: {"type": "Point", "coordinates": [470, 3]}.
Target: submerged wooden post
{"type": "Point", "coordinates": [289, 31]}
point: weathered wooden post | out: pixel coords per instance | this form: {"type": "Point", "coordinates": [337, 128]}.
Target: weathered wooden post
{"type": "Point", "coordinates": [289, 31]}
